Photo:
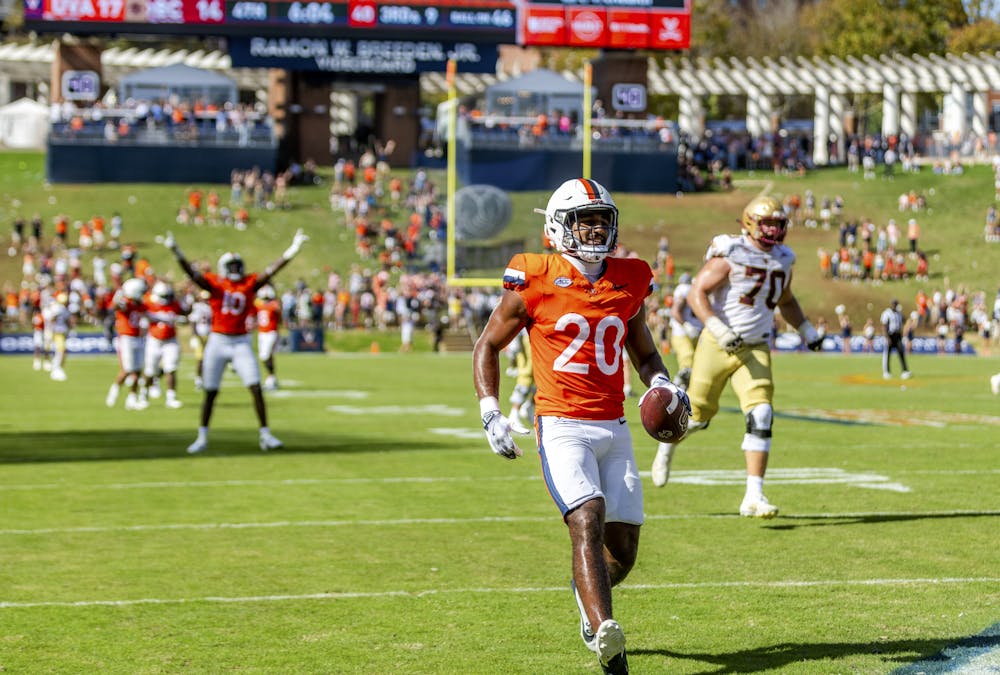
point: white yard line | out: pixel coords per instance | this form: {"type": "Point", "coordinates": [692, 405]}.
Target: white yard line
{"type": "Point", "coordinates": [396, 522]}
{"type": "Point", "coordinates": [805, 474]}
{"type": "Point", "coordinates": [471, 591]}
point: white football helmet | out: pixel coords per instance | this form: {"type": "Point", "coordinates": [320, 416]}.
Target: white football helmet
{"type": "Point", "coordinates": [231, 266]}
{"type": "Point", "coordinates": [134, 288]}
{"type": "Point", "coordinates": [266, 292]}
{"type": "Point", "coordinates": [570, 201]}
{"type": "Point", "coordinates": [162, 292]}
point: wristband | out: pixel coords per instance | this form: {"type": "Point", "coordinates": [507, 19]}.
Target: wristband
{"type": "Point", "coordinates": [659, 380]}
{"type": "Point", "coordinates": [488, 404]}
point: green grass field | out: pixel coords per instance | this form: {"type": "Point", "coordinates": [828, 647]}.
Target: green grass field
{"type": "Point", "coordinates": [387, 537]}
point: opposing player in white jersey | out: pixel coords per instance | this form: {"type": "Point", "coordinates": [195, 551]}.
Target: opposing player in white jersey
{"type": "Point", "coordinates": [200, 319]}
{"type": "Point", "coordinates": [745, 277]}
{"type": "Point", "coordinates": [58, 320]}
{"type": "Point", "coordinates": [685, 328]}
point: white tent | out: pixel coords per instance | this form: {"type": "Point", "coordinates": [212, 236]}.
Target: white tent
{"type": "Point", "coordinates": [24, 124]}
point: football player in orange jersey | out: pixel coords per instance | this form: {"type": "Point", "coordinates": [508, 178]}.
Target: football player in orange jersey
{"type": "Point", "coordinates": [268, 321]}
{"type": "Point", "coordinates": [231, 298]}
{"type": "Point", "coordinates": [582, 310]}
{"type": "Point", "coordinates": [130, 312]}
{"type": "Point", "coordinates": [163, 352]}
{"type": "Point", "coordinates": [744, 278]}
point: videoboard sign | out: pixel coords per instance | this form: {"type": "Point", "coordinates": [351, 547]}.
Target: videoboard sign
{"type": "Point", "coordinates": [606, 24]}
{"type": "Point", "coordinates": [341, 55]}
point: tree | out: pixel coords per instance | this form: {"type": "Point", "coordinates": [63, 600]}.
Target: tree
{"type": "Point", "coordinates": [981, 36]}
{"type": "Point", "coordinates": [859, 27]}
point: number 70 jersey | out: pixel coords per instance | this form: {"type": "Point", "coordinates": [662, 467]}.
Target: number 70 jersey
{"type": "Point", "coordinates": [757, 279]}
{"type": "Point", "coordinates": [577, 331]}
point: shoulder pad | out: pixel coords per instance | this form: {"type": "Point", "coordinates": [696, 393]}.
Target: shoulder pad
{"type": "Point", "coordinates": [721, 246]}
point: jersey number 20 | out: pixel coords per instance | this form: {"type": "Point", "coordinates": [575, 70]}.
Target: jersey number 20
{"type": "Point", "coordinates": [607, 366]}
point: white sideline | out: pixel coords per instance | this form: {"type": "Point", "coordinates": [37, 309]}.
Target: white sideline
{"type": "Point", "coordinates": [455, 591]}
{"type": "Point", "coordinates": [457, 521]}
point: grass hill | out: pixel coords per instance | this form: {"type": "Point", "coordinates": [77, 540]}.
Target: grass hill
{"type": "Point", "coordinates": [951, 226]}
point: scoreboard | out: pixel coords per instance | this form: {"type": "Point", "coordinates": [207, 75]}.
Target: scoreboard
{"type": "Point", "coordinates": [611, 24]}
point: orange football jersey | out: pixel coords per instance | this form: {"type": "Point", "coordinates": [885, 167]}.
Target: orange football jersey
{"type": "Point", "coordinates": [163, 319]}
{"type": "Point", "coordinates": [231, 303]}
{"type": "Point", "coordinates": [128, 317]}
{"type": "Point", "coordinates": [577, 330]}
{"type": "Point", "coordinates": [268, 316]}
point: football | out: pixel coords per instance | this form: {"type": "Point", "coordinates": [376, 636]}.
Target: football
{"type": "Point", "coordinates": [664, 417]}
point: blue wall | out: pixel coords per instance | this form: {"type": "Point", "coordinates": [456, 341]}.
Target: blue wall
{"type": "Point", "coordinates": [68, 162]}
{"type": "Point", "coordinates": [518, 170]}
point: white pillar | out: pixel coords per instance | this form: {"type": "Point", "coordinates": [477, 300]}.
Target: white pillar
{"type": "Point", "coordinates": [908, 114]}
{"type": "Point", "coordinates": [980, 114]}
{"type": "Point", "coordinates": [765, 113]}
{"type": "Point", "coordinates": [4, 88]}
{"type": "Point", "coordinates": [691, 114]}
{"type": "Point", "coordinates": [821, 126]}
{"type": "Point", "coordinates": [753, 113]}
{"type": "Point", "coordinates": [838, 106]}
{"type": "Point", "coordinates": [954, 125]}
{"type": "Point", "coordinates": [890, 109]}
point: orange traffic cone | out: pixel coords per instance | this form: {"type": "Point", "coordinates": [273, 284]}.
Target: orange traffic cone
{"type": "Point", "coordinates": [375, 348]}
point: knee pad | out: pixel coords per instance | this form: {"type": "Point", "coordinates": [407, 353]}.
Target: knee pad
{"type": "Point", "coordinates": [758, 434]}
{"type": "Point", "coordinates": [520, 394]}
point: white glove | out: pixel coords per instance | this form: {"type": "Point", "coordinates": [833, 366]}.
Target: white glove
{"type": "Point", "coordinates": [660, 380]}
{"type": "Point", "coordinates": [170, 242]}
{"type": "Point", "coordinates": [724, 335]}
{"type": "Point", "coordinates": [691, 330]}
{"type": "Point", "coordinates": [498, 434]}
{"type": "Point", "coordinates": [813, 340]}
{"type": "Point", "coordinates": [297, 241]}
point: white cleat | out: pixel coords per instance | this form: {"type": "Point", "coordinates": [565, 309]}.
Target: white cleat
{"type": "Point", "coordinates": [154, 391]}
{"type": "Point", "coordinates": [906, 375]}
{"type": "Point", "coordinates": [271, 383]}
{"type": "Point", "coordinates": [173, 404]}
{"type": "Point", "coordinates": [111, 399]}
{"type": "Point", "coordinates": [58, 374]}
{"type": "Point", "coordinates": [661, 464]}
{"type": "Point", "coordinates": [995, 384]}
{"type": "Point", "coordinates": [758, 507]}
{"type": "Point", "coordinates": [269, 442]}
{"type": "Point", "coordinates": [37, 365]}
{"type": "Point", "coordinates": [610, 639]}
{"type": "Point", "coordinates": [199, 444]}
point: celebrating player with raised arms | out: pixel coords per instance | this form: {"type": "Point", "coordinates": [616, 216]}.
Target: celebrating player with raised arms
{"type": "Point", "coordinates": [745, 277]}
{"type": "Point", "coordinates": [582, 309]}
{"type": "Point", "coordinates": [231, 297]}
